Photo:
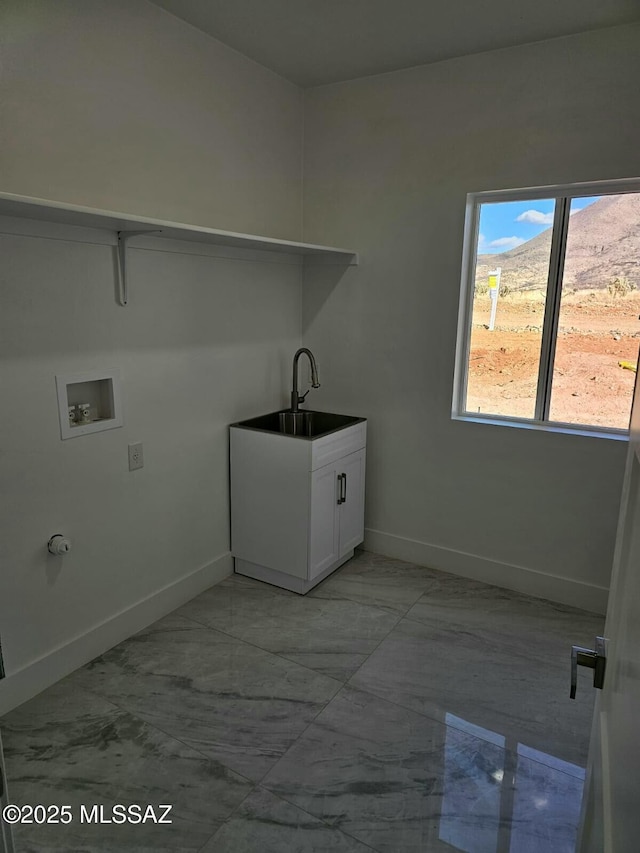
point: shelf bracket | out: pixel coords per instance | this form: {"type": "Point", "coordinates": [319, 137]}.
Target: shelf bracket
{"type": "Point", "coordinates": [123, 238]}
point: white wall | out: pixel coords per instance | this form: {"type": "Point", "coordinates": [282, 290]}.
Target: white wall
{"type": "Point", "coordinates": [388, 162]}
{"type": "Point", "coordinates": [119, 105]}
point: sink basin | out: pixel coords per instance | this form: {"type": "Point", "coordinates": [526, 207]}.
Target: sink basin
{"type": "Point", "coordinates": [302, 424]}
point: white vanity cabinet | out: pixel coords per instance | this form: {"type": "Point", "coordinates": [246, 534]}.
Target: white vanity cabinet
{"type": "Point", "coordinates": [297, 503]}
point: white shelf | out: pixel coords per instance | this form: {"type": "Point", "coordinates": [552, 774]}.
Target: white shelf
{"type": "Point", "coordinates": [70, 214]}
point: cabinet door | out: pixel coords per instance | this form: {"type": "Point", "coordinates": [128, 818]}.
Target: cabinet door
{"type": "Point", "coordinates": [324, 539]}
{"type": "Point", "coordinates": [352, 509]}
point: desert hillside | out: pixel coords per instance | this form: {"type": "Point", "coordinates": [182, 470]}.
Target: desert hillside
{"type": "Point", "coordinates": [603, 244]}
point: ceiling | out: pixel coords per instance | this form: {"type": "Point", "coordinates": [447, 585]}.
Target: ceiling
{"type": "Point", "coordinates": [312, 42]}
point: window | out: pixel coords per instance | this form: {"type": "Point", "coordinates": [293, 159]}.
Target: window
{"type": "Point", "coordinates": [549, 317]}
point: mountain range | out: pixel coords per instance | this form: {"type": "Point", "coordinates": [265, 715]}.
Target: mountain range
{"type": "Point", "coordinates": [603, 243]}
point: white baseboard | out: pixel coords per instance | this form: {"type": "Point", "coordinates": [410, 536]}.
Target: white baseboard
{"type": "Point", "coordinates": [32, 679]}
{"type": "Point", "coordinates": [553, 587]}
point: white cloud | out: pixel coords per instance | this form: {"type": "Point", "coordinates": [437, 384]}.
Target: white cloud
{"type": "Point", "coordinates": [506, 243]}
{"type": "Point", "coordinates": [536, 217]}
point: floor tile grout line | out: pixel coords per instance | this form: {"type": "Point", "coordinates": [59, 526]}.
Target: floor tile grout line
{"type": "Point", "coordinates": [441, 574]}
{"type": "Point", "coordinates": [401, 616]}
{"type": "Point", "coordinates": [158, 728]}
{"type": "Point", "coordinates": [326, 706]}
{"type": "Point", "coordinates": [382, 640]}
{"type": "Point", "coordinates": [299, 808]}
{"type": "Point", "coordinates": [267, 651]}
{"type": "Point", "coordinates": [315, 817]}
{"type": "Point", "coordinates": [284, 657]}
{"type": "Point", "coordinates": [91, 692]}
{"type": "Point", "coordinates": [254, 783]}
{"type": "Point", "coordinates": [318, 598]}
{"type": "Point", "coordinates": [312, 722]}
{"type": "Point", "coordinates": [228, 818]}
{"type": "Point", "coordinates": [312, 592]}
{"type": "Point", "coordinates": [500, 641]}
{"type": "Point", "coordinates": [259, 783]}
{"type": "Point", "coordinates": [340, 686]}
{"type": "Point", "coordinates": [210, 838]}
{"type": "Point", "coordinates": [434, 719]}
{"type": "Point", "coordinates": [306, 728]}
{"type": "Point", "coordinates": [332, 578]}
{"type": "Point", "coordinates": [445, 617]}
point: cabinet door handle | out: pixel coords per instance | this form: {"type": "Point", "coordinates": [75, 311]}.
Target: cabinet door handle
{"type": "Point", "coordinates": [344, 490]}
{"type": "Point", "coordinates": [340, 500]}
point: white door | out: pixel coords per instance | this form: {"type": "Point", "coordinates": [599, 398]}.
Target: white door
{"type": "Point", "coordinates": [611, 806]}
{"type": "Point", "coordinates": [324, 533]}
{"type": "Point", "coordinates": [352, 507]}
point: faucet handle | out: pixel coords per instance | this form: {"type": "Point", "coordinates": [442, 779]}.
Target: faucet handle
{"type": "Point", "coordinates": [301, 397]}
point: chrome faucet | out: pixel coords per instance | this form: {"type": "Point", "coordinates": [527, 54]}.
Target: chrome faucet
{"type": "Point", "coordinates": [295, 398]}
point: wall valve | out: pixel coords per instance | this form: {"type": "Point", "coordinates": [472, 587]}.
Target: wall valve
{"type": "Point", "coordinates": [59, 545]}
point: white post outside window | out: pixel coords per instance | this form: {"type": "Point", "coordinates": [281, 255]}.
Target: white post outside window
{"type": "Point", "coordinates": [494, 290]}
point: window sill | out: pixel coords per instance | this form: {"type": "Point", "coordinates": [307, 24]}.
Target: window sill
{"type": "Point", "coordinates": [539, 426]}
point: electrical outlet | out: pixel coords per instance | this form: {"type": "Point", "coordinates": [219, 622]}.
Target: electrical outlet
{"type": "Point", "coordinates": [136, 459]}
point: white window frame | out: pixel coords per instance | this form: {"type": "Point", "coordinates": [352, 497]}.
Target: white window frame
{"type": "Point", "coordinates": [563, 194]}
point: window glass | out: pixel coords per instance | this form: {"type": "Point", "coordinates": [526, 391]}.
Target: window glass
{"type": "Point", "coordinates": [511, 274]}
{"type": "Point", "coordinates": [597, 341]}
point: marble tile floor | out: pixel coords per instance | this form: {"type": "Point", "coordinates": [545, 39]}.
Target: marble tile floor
{"type": "Point", "coordinates": [393, 709]}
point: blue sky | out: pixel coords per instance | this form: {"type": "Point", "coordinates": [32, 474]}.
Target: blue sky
{"type": "Point", "coordinates": [507, 224]}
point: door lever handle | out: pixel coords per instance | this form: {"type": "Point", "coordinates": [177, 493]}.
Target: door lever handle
{"type": "Point", "coordinates": [594, 659]}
